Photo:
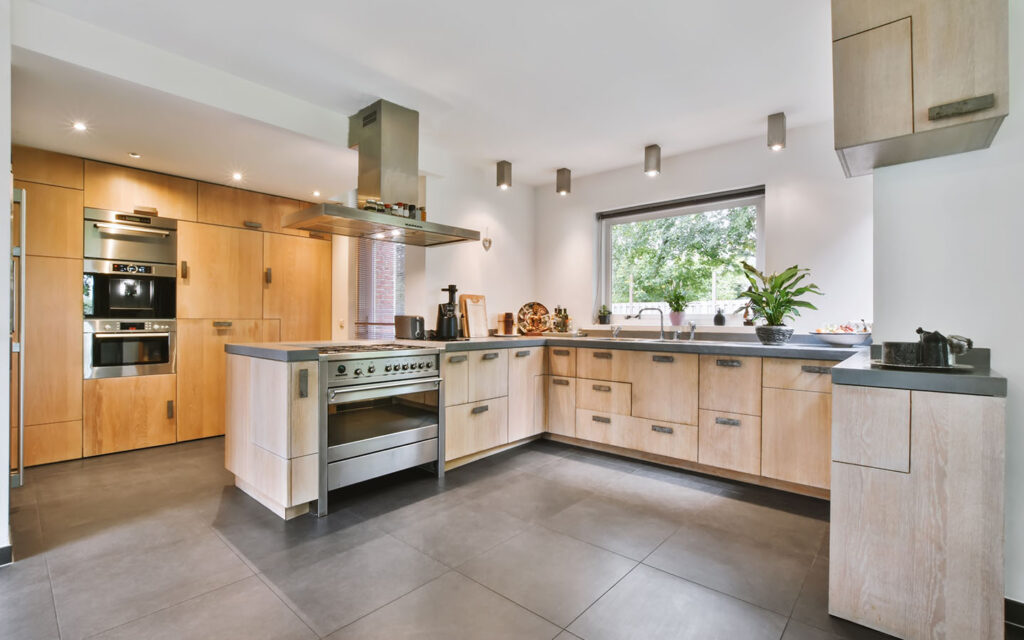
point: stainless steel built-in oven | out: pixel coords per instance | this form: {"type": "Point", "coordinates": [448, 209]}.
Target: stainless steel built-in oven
{"type": "Point", "coordinates": [114, 289]}
{"type": "Point", "coordinates": [129, 237]}
{"type": "Point", "coordinates": [118, 348]}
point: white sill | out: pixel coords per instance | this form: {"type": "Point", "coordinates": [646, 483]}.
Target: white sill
{"type": "Point", "coordinates": [701, 328]}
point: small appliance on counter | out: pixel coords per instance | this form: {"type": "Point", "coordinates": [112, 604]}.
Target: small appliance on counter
{"type": "Point", "coordinates": [410, 328]}
{"type": "Point", "coordinates": [932, 352]}
{"type": "Point", "coordinates": [447, 317]}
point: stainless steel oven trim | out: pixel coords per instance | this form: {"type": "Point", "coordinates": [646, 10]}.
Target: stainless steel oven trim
{"type": "Point", "coordinates": [90, 372]}
{"type": "Point", "coordinates": [107, 215]}
{"type": "Point", "coordinates": [106, 267]}
{"type": "Point", "coordinates": [117, 226]}
{"type": "Point", "coordinates": [382, 390]}
{"type": "Point", "coordinates": [358, 448]}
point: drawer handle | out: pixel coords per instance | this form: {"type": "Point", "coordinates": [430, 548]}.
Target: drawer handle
{"type": "Point", "coordinates": [962, 107]}
{"type": "Point", "coordinates": [221, 324]}
{"type": "Point", "coordinates": [317, 236]}
{"type": "Point", "coordinates": [663, 358]}
{"type": "Point", "coordinates": [659, 429]}
{"type": "Point", "coordinates": [455, 359]}
{"type": "Point", "coordinates": [729, 422]}
{"type": "Point", "coordinates": [564, 383]}
{"type": "Point", "coordinates": [812, 368]}
{"type": "Point", "coordinates": [522, 354]}
{"type": "Point", "coordinates": [477, 410]}
{"type": "Point", "coordinates": [601, 387]}
{"type": "Point", "coordinates": [304, 383]}
{"type": "Point", "coordinates": [252, 224]}
{"type": "Point", "coordinates": [728, 363]}
{"type": "Point", "coordinates": [184, 269]}
{"type": "Point", "coordinates": [170, 409]}
{"type": "Point", "coordinates": [559, 352]}
{"type": "Point", "coordinates": [490, 356]}
{"type": "Point", "coordinates": [603, 355]}
{"type": "Point", "coordinates": [269, 276]}
{"type": "Point", "coordinates": [601, 419]}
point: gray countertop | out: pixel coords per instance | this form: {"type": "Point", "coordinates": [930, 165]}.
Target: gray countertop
{"type": "Point", "coordinates": [982, 381]}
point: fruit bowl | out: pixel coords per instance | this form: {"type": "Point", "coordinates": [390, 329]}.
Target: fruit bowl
{"type": "Point", "coordinates": [843, 338]}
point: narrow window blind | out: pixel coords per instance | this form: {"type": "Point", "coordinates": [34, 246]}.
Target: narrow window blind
{"type": "Point", "coordinates": [380, 288]}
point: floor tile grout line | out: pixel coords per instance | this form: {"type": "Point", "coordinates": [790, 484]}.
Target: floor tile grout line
{"type": "Point", "coordinates": [598, 598]}
{"type": "Point", "coordinates": [504, 597]}
{"type": "Point", "coordinates": [53, 598]}
{"type": "Point", "coordinates": [298, 615]}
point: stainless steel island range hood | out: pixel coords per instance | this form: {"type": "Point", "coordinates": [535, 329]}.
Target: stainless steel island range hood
{"type": "Point", "coordinates": [387, 137]}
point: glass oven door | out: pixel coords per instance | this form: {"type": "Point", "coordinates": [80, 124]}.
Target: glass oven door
{"type": "Point", "coordinates": [129, 353]}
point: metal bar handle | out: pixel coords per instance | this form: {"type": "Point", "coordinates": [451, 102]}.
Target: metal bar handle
{"type": "Point", "coordinates": [268, 276]}
{"type": "Point", "coordinates": [128, 227]}
{"type": "Point", "coordinates": [170, 409]}
{"type": "Point", "coordinates": [184, 269]}
{"type": "Point", "coordinates": [455, 359]}
{"type": "Point", "coordinates": [962, 107]}
{"type": "Point", "coordinates": [252, 224]}
{"type": "Point", "coordinates": [222, 324]}
{"type": "Point", "coordinates": [601, 419]}
{"type": "Point", "coordinates": [663, 358]}
{"type": "Point", "coordinates": [490, 356]}
{"type": "Point", "coordinates": [729, 422]}
{"type": "Point", "coordinates": [728, 363]}
{"type": "Point", "coordinates": [661, 429]}
{"type": "Point", "coordinates": [303, 383]}
{"type": "Point", "coordinates": [601, 387]}
{"type": "Point", "coordinates": [522, 354]}
{"type": "Point", "coordinates": [125, 334]}
{"type": "Point", "coordinates": [480, 409]}
{"type": "Point", "coordinates": [603, 355]}
{"type": "Point", "coordinates": [560, 352]}
{"type": "Point", "coordinates": [811, 368]}
{"type": "Point", "coordinates": [332, 393]}
{"type": "Point", "coordinates": [560, 382]}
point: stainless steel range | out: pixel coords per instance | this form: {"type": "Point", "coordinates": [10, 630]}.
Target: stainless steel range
{"type": "Point", "coordinates": [381, 411]}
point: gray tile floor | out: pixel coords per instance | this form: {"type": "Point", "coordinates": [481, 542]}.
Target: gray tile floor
{"type": "Point", "coordinates": [544, 541]}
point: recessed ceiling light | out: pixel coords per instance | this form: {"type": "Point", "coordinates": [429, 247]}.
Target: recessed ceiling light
{"type": "Point", "coordinates": [316, 194]}
{"type": "Point", "coordinates": [379, 236]}
{"type": "Point", "coordinates": [132, 154]}
{"type": "Point", "coordinates": [236, 176]}
{"type": "Point", "coordinates": [396, 232]}
{"type": "Point", "coordinates": [79, 126]}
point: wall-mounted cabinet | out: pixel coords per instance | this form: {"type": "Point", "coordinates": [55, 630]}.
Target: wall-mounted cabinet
{"type": "Point", "coordinates": [246, 209]}
{"type": "Point", "coordinates": [110, 186]}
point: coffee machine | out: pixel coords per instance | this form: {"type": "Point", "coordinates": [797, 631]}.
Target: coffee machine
{"type": "Point", "coordinates": [447, 318]}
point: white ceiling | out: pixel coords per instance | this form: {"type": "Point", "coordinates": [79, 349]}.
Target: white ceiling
{"type": "Point", "coordinates": [578, 83]}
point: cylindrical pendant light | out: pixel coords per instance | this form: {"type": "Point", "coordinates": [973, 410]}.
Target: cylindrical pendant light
{"type": "Point", "coordinates": [563, 181]}
{"type": "Point", "coordinates": [504, 175]}
{"type": "Point", "coordinates": [652, 160]}
{"type": "Point", "coordinates": [777, 131]}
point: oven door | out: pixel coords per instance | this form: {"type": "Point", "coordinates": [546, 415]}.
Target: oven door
{"type": "Point", "coordinates": [112, 235]}
{"type": "Point", "coordinates": [128, 353]}
{"type": "Point", "coordinates": [127, 295]}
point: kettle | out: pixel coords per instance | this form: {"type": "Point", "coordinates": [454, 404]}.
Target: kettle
{"type": "Point", "coordinates": [936, 350]}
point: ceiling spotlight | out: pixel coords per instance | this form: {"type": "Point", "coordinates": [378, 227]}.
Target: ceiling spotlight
{"type": "Point", "coordinates": [777, 131]}
{"type": "Point", "coordinates": [396, 232]}
{"type": "Point", "coordinates": [79, 126]}
{"type": "Point", "coordinates": [316, 194]}
{"type": "Point", "coordinates": [563, 181]}
{"type": "Point", "coordinates": [652, 160]}
{"type": "Point", "coordinates": [504, 175]}
{"type": "Point", "coordinates": [236, 176]}
{"type": "Point", "coordinates": [379, 235]}
{"type": "Point", "coordinates": [132, 154]}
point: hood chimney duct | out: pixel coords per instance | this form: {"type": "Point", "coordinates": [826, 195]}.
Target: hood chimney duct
{"type": "Point", "coordinates": [387, 137]}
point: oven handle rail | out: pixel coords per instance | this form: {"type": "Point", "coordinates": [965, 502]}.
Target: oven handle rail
{"type": "Point", "coordinates": [370, 391]}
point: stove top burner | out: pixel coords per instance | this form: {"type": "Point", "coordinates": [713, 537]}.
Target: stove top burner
{"type": "Point", "coordinates": [368, 348]}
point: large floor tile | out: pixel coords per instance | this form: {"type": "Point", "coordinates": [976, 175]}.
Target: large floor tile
{"type": "Point", "coordinates": [26, 601]}
{"type": "Point", "coordinates": [613, 525]}
{"type": "Point", "coordinates": [339, 588]}
{"type": "Point", "coordinates": [100, 593]}
{"type": "Point", "coordinates": [799, 631]}
{"type": "Point", "coordinates": [780, 529]}
{"type": "Point", "coordinates": [451, 607]}
{"type": "Point", "coordinates": [812, 607]}
{"type": "Point", "coordinates": [455, 535]}
{"type": "Point", "coordinates": [659, 497]}
{"type": "Point", "coordinates": [549, 573]}
{"type": "Point", "coordinates": [651, 605]}
{"type": "Point", "coordinates": [246, 610]}
{"type": "Point", "coordinates": [584, 472]}
{"type": "Point", "coordinates": [530, 497]}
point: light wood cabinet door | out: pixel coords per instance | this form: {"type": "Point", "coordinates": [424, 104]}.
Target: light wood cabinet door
{"type": "Point", "coordinates": [297, 286]}
{"type": "Point", "coordinates": [455, 372]}
{"type": "Point", "coordinates": [606, 428]}
{"type": "Point", "coordinates": [796, 436]}
{"type": "Point", "coordinates": [488, 374]}
{"type": "Point", "coordinates": [561, 405]}
{"type": "Point", "coordinates": [853, 16]}
{"type": "Point", "coordinates": [474, 427]}
{"type": "Point", "coordinates": [247, 209]}
{"type": "Point", "coordinates": [128, 413]}
{"type": "Point", "coordinates": [664, 386]}
{"type": "Point", "coordinates": [220, 272]}
{"type": "Point", "coordinates": [52, 338]}
{"type": "Point", "coordinates": [871, 427]}
{"type": "Point", "coordinates": [731, 384]}
{"type": "Point", "coordinates": [800, 375]}
{"type": "Point", "coordinates": [603, 395]}
{"type": "Point", "coordinates": [202, 370]}
{"type": "Point", "coordinates": [53, 226]}
{"type": "Point", "coordinates": [873, 85]}
{"type": "Point", "coordinates": [603, 364]}
{"type": "Point", "coordinates": [46, 167]}
{"type": "Point", "coordinates": [526, 416]}
{"type": "Point", "coordinates": [730, 441]}
{"type": "Point", "coordinates": [109, 186]}
{"type": "Point", "coordinates": [53, 442]}
{"type": "Point", "coordinates": [665, 438]}
{"type": "Point", "coordinates": [562, 361]}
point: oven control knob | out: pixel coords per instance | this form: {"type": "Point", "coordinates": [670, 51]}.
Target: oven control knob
{"type": "Point", "coordinates": [341, 369]}
{"type": "Point", "coordinates": [371, 369]}
{"type": "Point", "coordinates": [387, 367]}
{"type": "Point", "coordinates": [419, 366]}
{"type": "Point", "coordinates": [405, 367]}
{"type": "Point", "coordinates": [430, 365]}
{"type": "Point", "coordinates": [358, 372]}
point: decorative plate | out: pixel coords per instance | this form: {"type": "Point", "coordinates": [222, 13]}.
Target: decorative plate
{"type": "Point", "coordinates": [533, 317]}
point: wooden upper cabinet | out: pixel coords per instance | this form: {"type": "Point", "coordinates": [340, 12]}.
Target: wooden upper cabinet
{"type": "Point", "coordinates": [46, 167]}
{"type": "Point", "coordinates": [297, 285]}
{"type": "Point", "coordinates": [53, 224]}
{"type": "Point", "coordinates": [219, 272]}
{"type": "Point", "coordinates": [128, 413]}
{"type": "Point", "coordinates": [109, 186]}
{"type": "Point", "coordinates": [240, 208]}
{"type": "Point", "coordinates": [873, 85]}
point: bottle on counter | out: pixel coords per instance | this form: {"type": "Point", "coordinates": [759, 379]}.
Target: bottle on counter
{"type": "Point", "coordinates": [719, 319]}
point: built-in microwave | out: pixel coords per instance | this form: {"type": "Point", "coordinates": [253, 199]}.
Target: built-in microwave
{"type": "Point", "coordinates": [118, 348]}
{"type": "Point", "coordinates": [129, 237]}
{"type": "Point", "coordinates": [115, 289]}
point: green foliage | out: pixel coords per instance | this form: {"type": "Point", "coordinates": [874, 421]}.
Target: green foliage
{"type": "Point", "coordinates": [652, 256]}
{"type": "Point", "coordinates": [675, 297]}
{"type": "Point", "coordinates": [604, 310]}
{"type": "Point", "coordinates": [775, 297]}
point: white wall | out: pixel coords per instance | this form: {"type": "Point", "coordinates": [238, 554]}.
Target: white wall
{"type": "Point", "coordinates": [948, 237]}
{"type": "Point", "coordinates": [5, 250]}
{"type": "Point", "coordinates": [814, 217]}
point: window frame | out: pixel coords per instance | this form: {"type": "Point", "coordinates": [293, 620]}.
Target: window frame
{"type": "Point", "coordinates": [604, 258]}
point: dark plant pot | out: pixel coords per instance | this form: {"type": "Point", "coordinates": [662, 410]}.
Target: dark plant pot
{"type": "Point", "coordinates": [604, 319]}
{"type": "Point", "coordinates": [773, 335]}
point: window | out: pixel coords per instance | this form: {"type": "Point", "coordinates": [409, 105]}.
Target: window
{"type": "Point", "coordinates": [698, 248]}
{"type": "Point", "coordinates": [380, 288]}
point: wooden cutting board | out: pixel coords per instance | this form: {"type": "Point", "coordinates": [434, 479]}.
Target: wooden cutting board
{"type": "Point", "coordinates": [474, 312]}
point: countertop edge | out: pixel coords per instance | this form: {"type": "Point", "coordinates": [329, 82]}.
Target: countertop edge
{"type": "Point", "coordinates": [857, 372]}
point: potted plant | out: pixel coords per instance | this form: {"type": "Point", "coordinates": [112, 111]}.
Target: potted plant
{"type": "Point", "coordinates": [776, 297]}
{"type": "Point", "coordinates": [604, 315]}
{"type": "Point", "coordinates": [675, 297]}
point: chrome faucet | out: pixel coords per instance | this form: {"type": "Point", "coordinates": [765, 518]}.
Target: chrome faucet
{"type": "Point", "coordinates": [661, 316]}
{"type": "Point", "coordinates": [693, 329]}
{"type": "Point", "coordinates": [616, 329]}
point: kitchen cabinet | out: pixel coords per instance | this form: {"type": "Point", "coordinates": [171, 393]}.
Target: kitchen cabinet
{"type": "Point", "coordinates": [53, 442]}
{"type": "Point", "coordinates": [800, 375]}
{"type": "Point", "coordinates": [53, 226]}
{"type": "Point", "coordinates": [46, 167]}
{"type": "Point", "coordinates": [603, 364]}
{"type": "Point", "coordinates": [601, 395]}
{"type": "Point", "coordinates": [220, 272]}
{"type": "Point", "coordinates": [246, 209]}
{"type": "Point", "coordinates": [561, 408]}
{"type": "Point", "coordinates": [201, 371]}
{"type": "Point", "coordinates": [488, 374]}
{"type": "Point", "coordinates": [110, 186]}
{"type": "Point", "coordinates": [731, 384]}
{"type": "Point", "coordinates": [128, 413]}
{"type": "Point", "coordinates": [455, 372]}
{"type": "Point", "coordinates": [526, 408]}
{"type": "Point", "coordinates": [730, 441]}
{"type": "Point", "coordinates": [297, 286]}
{"type": "Point", "coordinates": [796, 436]}
{"type": "Point", "coordinates": [871, 427]}
{"type": "Point", "coordinates": [669, 439]}
{"type": "Point", "coordinates": [562, 361]}
{"type": "Point", "coordinates": [605, 428]}
{"type": "Point", "coordinates": [474, 427]}
{"type": "Point", "coordinates": [664, 385]}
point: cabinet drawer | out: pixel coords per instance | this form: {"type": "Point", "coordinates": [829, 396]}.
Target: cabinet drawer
{"type": "Point", "coordinates": [474, 427]}
{"type": "Point", "coordinates": [488, 374]}
{"type": "Point", "coordinates": [730, 441]}
{"type": "Point", "coordinates": [731, 384]}
{"type": "Point", "coordinates": [455, 372]}
{"type": "Point", "coordinates": [664, 386]}
{"type": "Point", "coordinates": [871, 427]}
{"type": "Point", "coordinates": [603, 364]}
{"type": "Point", "coordinates": [800, 375]}
{"type": "Point", "coordinates": [562, 361]}
{"type": "Point", "coordinates": [664, 438]}
{"type": "Point", "coordinates": [602, 395]}
{"type": "Point", "coordinates": [561, 397]}
{"type": "Point", "coordinates": [796, 435]}
{"type": "Point", "coordinates": [606, 428]}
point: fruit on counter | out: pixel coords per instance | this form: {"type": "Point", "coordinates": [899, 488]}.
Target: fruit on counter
{"type": "Point", "coordinates": [849, 327]}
